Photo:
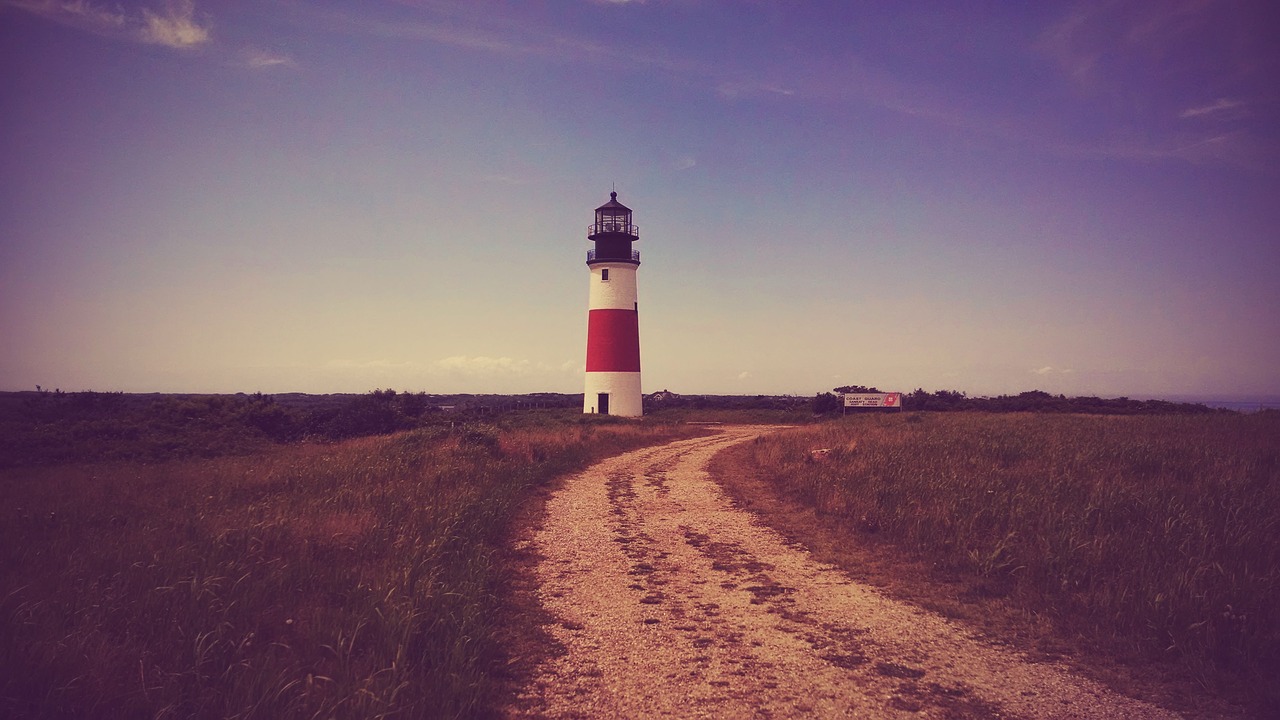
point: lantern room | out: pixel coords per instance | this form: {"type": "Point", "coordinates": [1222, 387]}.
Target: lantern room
{"type": "Point", "coordinates": [613, 233]}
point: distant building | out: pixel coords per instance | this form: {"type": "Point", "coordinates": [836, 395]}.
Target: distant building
{"type": "Point", "coordinates": [662, 396]}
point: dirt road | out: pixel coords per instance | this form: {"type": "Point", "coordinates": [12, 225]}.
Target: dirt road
{"type": "Point", "coordinates": [673, 603]}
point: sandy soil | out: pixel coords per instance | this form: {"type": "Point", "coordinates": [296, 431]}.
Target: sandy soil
{"type": "Point", "coordinates": [671, 602]}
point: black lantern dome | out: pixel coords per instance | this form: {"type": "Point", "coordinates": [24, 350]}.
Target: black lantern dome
{"type": "Point", "coordinates": [613, 233]}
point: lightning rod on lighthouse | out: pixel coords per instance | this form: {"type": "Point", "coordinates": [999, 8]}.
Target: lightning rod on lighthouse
{"type": "Point", "coordinates": [613, 326]}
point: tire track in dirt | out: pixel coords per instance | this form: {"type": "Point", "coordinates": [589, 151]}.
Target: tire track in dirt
{"type": "Point", "coordinates": [671, 602]}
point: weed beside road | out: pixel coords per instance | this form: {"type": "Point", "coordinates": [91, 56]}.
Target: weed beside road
{"type": "Point", "coordinates": [357, 579]}
{"type": "Point", "coordinates": [1156, 534]}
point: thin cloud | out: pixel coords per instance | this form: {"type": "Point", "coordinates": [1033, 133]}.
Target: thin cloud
{"type": "Point", "coordinates": [1238, 148]}
{"type": "Point", "coordinates": [348, 364]}
{"type": "Point", "coordinates": [173, 24]}
{"type": "Point", "coordinates": [732, 90]}
{"type": "Point", "coordinates": [1117, 57]}
{"type": "Point", "coordinates": [1061, 42]}
{"type": "Point", "coordinates": [257, 59]}
{"type": "Point", "coordinates": [1218, 107]}
{"type": "Point", "coordinates": [88, 13]}
{"type": "Point", "coordinates": [79, 14]}
{"type": "Point", "coordinates": [1095, 43]}
{"type": "Point", "coordinates": [464, 26]}
{"type": "Point", "coordinates": [1049, 370]}
{"type": "Point", "coordinates": [1105, 49]}
{"type": "Point", "coordinates": [455, 34]}
{"type": "Point", "coordinates": [1234, 148]}
{"type": "Point", "coordinates": [486, 366]}
{"type": "Point", "coordinates": [480, 366]}
{"type": "Point", "coordinates": [175, 27]}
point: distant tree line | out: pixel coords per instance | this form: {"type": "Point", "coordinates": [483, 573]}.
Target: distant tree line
{"type": "Point", "coordinates": [54, 426]}
{"type": "Point", "coordinates": [1030, 401]}
{"type": "Point", "coordinates": [46, 426]}
{"type": "Point", "coordinates": [724, 402]}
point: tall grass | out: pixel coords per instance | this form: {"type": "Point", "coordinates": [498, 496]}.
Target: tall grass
{"type": "Point", "coordinates": [1158, 534]}
{"type": "Point", "coordinates": [351, 580]}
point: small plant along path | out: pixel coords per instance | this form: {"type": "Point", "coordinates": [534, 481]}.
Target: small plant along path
{"type": "Point", "coordinates": [670, 602]}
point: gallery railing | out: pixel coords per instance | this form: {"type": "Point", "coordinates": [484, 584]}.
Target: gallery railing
{"type": "Point", "coordinates": [592, 257]}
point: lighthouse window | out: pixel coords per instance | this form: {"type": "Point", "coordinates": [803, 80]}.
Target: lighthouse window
{"type": "Point", "coordinates": [604, 273]}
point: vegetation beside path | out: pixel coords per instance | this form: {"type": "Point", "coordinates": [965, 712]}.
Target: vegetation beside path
{"type": "Point", "coordinates": [361, 578]}
{"type": "Point", "coordinates": [1153, 538]}
{"type": "Point", "coordinates": [219, 556]}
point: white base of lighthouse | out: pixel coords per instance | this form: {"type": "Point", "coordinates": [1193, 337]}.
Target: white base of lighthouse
{"type": "Point", "coordinates": [613, 393]}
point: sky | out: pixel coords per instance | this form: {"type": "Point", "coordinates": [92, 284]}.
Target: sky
{"type": "Point", "coordinates": [321, 196]}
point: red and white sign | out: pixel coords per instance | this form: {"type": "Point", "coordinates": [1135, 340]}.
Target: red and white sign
{"type": "Point", "coordinates": [873, 400]}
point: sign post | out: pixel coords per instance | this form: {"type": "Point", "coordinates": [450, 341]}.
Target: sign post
{"type": "Point", "coordinates": [872, 401]}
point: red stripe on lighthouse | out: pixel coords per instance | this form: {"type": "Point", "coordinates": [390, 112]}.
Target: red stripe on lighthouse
{"type": "Point", "coordinates": [613, 341]}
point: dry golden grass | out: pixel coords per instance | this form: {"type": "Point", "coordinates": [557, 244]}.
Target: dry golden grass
{"type": "Point", "coordinates": [1152, 535]}
{"type": "Point", "coordinates": [359, 579]}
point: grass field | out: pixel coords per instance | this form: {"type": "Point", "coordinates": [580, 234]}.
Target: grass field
{"type": "Point", "coordinates": [1154, 536]}
{"type": "Point", "coordinates": [354, 579]}
{"type": "Point", "coordinates": [365, 578]}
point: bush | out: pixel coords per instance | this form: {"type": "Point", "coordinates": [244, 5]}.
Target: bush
{"type": "Point", "coordinates": [825, 404]}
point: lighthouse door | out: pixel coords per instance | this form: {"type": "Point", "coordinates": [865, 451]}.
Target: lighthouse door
{"type": "Point", "coordinates": [604, 403]}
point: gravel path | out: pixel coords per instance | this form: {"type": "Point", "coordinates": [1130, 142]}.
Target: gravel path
{"type": "Point", "coordinates": [673, 603]}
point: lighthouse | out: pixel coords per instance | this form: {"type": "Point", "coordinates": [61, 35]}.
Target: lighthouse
{"type": "Point", "coordinates": [613, 327]}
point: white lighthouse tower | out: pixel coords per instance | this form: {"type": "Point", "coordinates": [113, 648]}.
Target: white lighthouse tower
{"type": "Point", "coordinates": [613, 327]}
